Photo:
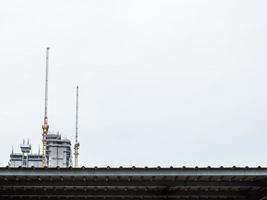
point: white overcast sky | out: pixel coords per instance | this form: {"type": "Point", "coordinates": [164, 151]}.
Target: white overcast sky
{"type": "Point", "coordinates": [162, 82]}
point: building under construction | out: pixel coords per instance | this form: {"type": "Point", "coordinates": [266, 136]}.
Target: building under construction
{"type": "Point", "coordinates": [56, 152]}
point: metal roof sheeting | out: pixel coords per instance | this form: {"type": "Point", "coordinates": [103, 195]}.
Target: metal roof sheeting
{"type": "Point", "coordinates": [133, 183]}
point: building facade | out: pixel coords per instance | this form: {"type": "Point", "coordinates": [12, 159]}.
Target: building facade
{"type": "Point", "coordinates": [26, 158]}
{"type": "Point", "coordinates": [58, 153]}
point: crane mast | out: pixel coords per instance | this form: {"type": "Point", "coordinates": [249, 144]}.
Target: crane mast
{"type": "Point", "coordinates": [45, 126]}
{"type": "Point", "coordinates": [76, 145]}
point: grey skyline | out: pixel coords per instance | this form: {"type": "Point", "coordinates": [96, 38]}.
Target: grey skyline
{"type": "Point", "coordinates": [161, 82]}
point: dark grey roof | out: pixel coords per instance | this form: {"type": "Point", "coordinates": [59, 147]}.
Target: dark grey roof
{"type": "Point", "coordinates": [133, 183]}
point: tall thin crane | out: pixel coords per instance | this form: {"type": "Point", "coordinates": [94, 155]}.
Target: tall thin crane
{"type": "Point", "coordinates": [45, 126]}
{"type": "Point", "coordinates": [77, 144]}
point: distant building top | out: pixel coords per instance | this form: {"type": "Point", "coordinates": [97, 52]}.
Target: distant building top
{"type": "Point", "coordinates": [58, 152]}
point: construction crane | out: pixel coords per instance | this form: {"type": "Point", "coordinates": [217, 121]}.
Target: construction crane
{"type": "Point", "coordinates": [45, 126]}
{"type": "Point", "coordinates": [77, 144]}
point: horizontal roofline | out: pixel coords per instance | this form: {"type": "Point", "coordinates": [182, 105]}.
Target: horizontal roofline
{"type": "Point", "coordinates": [134, 171]}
